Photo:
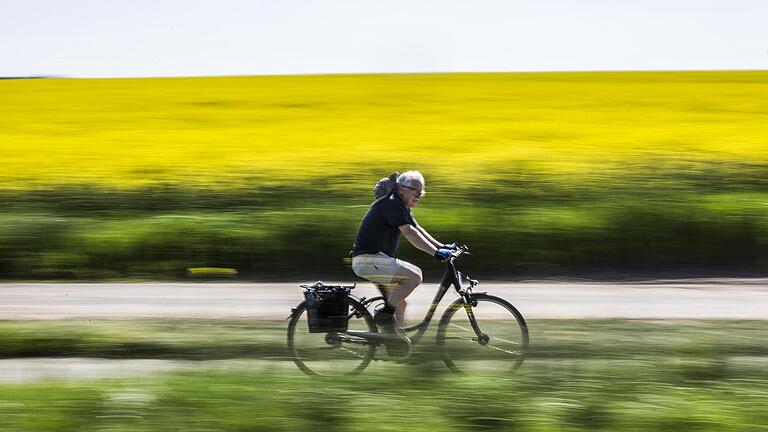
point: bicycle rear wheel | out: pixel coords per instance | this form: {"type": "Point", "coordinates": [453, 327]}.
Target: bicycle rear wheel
{"type": "Point", "coordinates": [491, 336]}
{"type": "Point", "coordinates": [331, 353]}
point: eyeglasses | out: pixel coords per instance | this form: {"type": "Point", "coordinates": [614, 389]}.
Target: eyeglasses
{"type": "Point", "coordinates": [421, 192]}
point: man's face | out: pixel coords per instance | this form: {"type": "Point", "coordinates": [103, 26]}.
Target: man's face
{"type": "Point", "coordinates": [411, 194]}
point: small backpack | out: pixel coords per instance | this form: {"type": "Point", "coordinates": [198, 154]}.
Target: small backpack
{"type": "Point", "coordinates": [385, 186]}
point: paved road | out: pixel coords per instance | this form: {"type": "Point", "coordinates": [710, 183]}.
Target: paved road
{"type": "Point", "coordinates": [680, 299]}
{"type": "Point", "coordinates": [676, 299]}
{"type": "Point", "coordinates": [27, 370]}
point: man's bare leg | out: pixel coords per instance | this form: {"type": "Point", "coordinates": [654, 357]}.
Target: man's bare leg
{"type": "Point", "coordinates": [407, 278]}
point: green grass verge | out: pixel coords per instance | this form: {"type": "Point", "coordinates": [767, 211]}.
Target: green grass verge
{"type": "Point", "coordinates": [220, 339]}
{"type": "Point", "coordinates": [637, 230]}
{"type": "Point", "coordinates": [581, 376]}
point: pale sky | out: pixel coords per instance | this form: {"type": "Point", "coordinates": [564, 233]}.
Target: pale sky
{"type": "Point", "coordinates": [102, 38]}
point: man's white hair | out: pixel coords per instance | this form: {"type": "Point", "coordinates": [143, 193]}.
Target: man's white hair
{"type": "Point", "coordinates": [407, 177]}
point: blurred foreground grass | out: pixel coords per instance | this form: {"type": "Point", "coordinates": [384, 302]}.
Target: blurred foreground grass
{"type": "Point", "coordinates": [582, 375]}
{"type": "Point", "coordinates": [539, 172]}
{"type": "Point", "coordinates": [260, 339]}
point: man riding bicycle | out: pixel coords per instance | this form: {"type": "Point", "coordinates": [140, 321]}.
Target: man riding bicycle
{"type": "Point", "coordinates": [373, 254]}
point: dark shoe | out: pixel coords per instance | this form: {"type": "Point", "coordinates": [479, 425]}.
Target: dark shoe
{"type": "Point", "coordinates": [385, 320]}
{"type": "Point", "coordinates": [397, 347]}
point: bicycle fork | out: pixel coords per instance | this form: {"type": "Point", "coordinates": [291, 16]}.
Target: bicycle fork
{"type": "Point", "coordinates": [470, 302]}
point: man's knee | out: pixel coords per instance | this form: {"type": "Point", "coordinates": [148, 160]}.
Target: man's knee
{"type": "Point", "coordinates": [417, 277]}
{"type": "Point", "coordinates": [409, 277]}
{"type": "Point", "coordinates": [411, 272]}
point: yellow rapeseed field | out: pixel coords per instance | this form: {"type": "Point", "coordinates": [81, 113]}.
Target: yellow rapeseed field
{"type": "Point", "coordinates": [232, 131]}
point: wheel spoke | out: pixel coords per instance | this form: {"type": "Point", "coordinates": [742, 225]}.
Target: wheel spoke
{"type": "Point", "coordinates": [353, 352]}
{"type": "Point", "coordinates": [331, 354]}
{"type": "Point", "coordinates": [507, 341]}
{"type": "Point", "coordinates": [463, 328]}
{"type": "Point", "coordinates": [502, 342]}
{"type": "Point", "coordinates": [516, 353]}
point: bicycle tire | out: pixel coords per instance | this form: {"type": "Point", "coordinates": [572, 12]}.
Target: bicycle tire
{"type": "Point", "coordinates": [464, 351]}
{"type": "Point", "coordinates": [324, 354]}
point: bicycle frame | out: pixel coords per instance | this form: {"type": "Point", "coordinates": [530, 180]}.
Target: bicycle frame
{"type": "Point", "coordinates": [452, 277]}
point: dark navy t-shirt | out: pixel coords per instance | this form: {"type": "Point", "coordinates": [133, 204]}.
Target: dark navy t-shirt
{"type": "Point", "coordinates": [379, 229]}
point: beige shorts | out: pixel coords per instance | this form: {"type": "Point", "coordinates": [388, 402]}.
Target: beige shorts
{"type": "Point", "coordinates": [378, 268]}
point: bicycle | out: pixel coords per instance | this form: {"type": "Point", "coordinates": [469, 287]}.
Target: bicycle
{"type": "Point", "coordinates": [484, 336]}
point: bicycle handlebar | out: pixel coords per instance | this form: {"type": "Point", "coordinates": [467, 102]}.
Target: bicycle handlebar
{"type": "Point", "coordinates": [460, 250]}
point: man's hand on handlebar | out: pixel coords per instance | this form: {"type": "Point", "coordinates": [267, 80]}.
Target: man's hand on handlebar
{"type": "Point", "coordinates": [443, 254]}
{"type": "Point", "coordinates": [450, 246]}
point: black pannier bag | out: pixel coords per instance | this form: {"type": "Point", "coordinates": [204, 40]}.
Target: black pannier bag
{"type": "Point", "coordinates": [327, 307]}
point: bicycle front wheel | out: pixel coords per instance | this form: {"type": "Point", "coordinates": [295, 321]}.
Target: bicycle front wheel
{"type": "Point", "coordinates": [331, 353]}
{"type": "Point", "coordinates": [491, 336]}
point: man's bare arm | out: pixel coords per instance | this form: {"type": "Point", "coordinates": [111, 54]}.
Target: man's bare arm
{"type": "Point", "coordinates": [417, 239]}
{"type": "Point", "coordinates": [429, 238]}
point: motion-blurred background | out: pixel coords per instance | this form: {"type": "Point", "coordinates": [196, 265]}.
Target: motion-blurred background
{"type": "Point", "coordinates": [205, 142]}
{"type": "Point", "coordinates": [540, 173]}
